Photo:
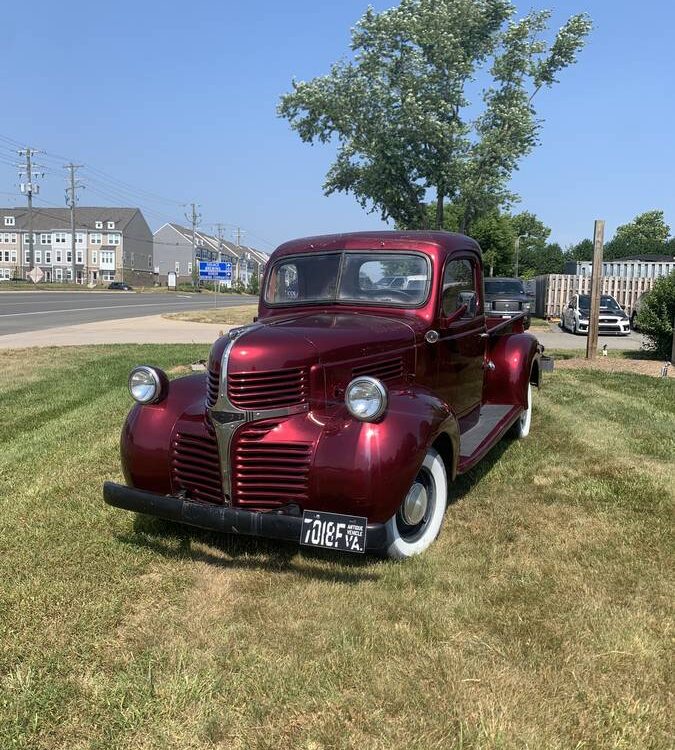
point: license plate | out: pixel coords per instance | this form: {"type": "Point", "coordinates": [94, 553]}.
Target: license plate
{"type": "Point", "coordinates": [334, 531]}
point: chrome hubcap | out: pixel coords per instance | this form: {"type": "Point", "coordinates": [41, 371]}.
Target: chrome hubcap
{"type": "Point", "coordinates": [415, 504]}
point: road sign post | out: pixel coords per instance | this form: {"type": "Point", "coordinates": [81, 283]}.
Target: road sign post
{"type": "Point", "coordinates": [215, 271]}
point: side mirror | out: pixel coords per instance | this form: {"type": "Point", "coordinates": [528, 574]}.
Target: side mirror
{"type": "Point", "coordinates": [469, 300]}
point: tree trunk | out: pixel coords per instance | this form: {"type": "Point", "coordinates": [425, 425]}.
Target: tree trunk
{"type": "Point", "coordinates": [439, 210]}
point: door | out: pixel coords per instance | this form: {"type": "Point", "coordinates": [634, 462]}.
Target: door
{"type": "Point", "coordinates": [462, 345]}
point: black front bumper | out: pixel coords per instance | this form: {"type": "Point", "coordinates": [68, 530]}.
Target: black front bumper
{"type": "Point", "coordinates": [270, 524]}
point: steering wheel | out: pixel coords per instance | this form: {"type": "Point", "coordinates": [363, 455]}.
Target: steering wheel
{"type": "Point", "coordinates": [392, 293]}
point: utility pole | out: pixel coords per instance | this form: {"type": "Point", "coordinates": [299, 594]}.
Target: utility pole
{"type": "Point", "coordinates": [238, 234]}
{"type": "Point", "coordinates": [71, 202]}
{"type": "Point", "coordinates": [596, 288]}
{"type": "Point", "coordinates": [29, 188]}
{"type": "Point", "coordinates": [194, 218]}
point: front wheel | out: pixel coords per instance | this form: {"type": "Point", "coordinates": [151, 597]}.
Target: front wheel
{"type": "Point", "coordinates": [521, 429]}
{"type": "Point", "coordinates": [418, 520]}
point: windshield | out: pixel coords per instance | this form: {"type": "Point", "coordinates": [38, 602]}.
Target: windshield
{"type": "Point", "coordinates": [350, 277]}
{"type": "Point", "coordinates": [606, 302]}
{"type": "Point", "coordinates": [498, 286]}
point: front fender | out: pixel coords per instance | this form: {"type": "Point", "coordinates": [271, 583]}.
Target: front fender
{"type": "Point", "coordinates": [368, 468]}
{"type": "Point", "coordinates": [146, 436]}
{"type": "Point", "coordinates": [516, 359]}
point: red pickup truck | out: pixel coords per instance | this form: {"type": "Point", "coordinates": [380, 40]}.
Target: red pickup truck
{"type": "Point", "coordinates": [341, 417]}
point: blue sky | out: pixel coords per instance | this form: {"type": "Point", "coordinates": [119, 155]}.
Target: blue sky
{"type": "Point", "coordinates": [179, 100]}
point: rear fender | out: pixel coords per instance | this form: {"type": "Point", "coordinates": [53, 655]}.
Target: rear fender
{"type": "Point", "coordinates": [367, 468]}
{"type": "Point", "coordinates": [516, 364]}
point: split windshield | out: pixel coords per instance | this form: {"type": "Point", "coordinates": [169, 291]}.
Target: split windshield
{"type": "Point", "coordinates": [371, 278]}
{"type": "Point", "coordinates": [607, 302]}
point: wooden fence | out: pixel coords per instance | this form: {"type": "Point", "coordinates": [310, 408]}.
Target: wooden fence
{"type": "Point", "coordinates": [555, 290]}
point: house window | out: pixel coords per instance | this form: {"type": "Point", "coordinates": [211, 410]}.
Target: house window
{"type": "Point", "coordinates": [107, 259]}
{"type": "Point", "coordinates": [189, 266]}
{"type": "Point", "coordinates": [79, 238]}
{"type": "Point", "coordinates": [110, 225]}
{"type": "Point", "coordinates": [59, 274]}
{"type": "Point", "coordinates": [69, 256]}
{"type": "Point", "coordinates": [60, 238]}
{"type": "Point", "coordinates": [96, 238]}
{"type": "Point", "coordinates": [94, 257]}
{"type": "Point", "coordinates": [48, 257]}
{"type": "Point", "coordinates": [69, 274]}
{"type": "Point", "coordinates": [45, 239]}
{"type": "Point", "coordinates": [98, 225]}
{"type": "Point", "coordinates": [114, 239]}
{"type": "Point", "coordinates": [9, 221]}
{"type": "Point", "coordinates": [5, 256]}
{"type": "Point", "coordinates": [13, 239]}
{"type": "Point", "coordinates": [149, 261]}
{"type": "Point", "coordinates": [176, 266]}
{"type": "Point", "coordinates": [38, 256]}
{"type": "Point", "coordinates": [79, 256]}
{"type": "Point", "coordinates": [58, 255]}
{"type": "Point", "coordinates": [13, 256]}
{"type": "Point", "coordinates": [25, 256]}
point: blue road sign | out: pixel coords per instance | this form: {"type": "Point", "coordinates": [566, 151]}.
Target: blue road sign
{"type": "Point", "coordinates": [214, 271]}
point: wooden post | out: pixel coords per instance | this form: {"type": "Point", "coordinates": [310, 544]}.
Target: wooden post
{"type": "Point", "coordinates": [596, 285]}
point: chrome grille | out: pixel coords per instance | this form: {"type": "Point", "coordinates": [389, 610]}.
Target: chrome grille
{"type": "Point", "coordinates": [212, 386]}
{"type": "Point", "coordinates": [388, 370]}
{"type": "Point", "coordinates": [195, 467]}
{"type": "Point", "coordinates": [272, 389]}
{"type": "Point", "coordinates": [269, 474]}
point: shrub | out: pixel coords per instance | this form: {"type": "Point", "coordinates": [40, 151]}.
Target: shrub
{"type": "Point", "coordinates": [656, 315]}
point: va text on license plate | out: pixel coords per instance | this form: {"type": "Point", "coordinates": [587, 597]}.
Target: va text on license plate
{"type": "Point", "coordinates": [334, 531]}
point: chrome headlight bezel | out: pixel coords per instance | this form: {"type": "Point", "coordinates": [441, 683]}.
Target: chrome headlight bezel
{"type": "Point", "coordinates": [375, 387]}
{"type": "Point", "coordinates": [154, 378]}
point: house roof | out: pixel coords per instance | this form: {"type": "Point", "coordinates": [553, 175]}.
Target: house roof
{"type": "Point", "coordinates": [210, 241]}
{"type": "Point", "coordinates": [47, 219]}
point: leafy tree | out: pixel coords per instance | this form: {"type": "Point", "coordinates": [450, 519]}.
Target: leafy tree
{"type": "Point", "coordinates": [657, 313]}
{"type": "Point", "coordinates": [647, 233]}
{"type": "Point", "coordinates": [581, 251]}
{"type": "Point", "coordinates": [400, 110]}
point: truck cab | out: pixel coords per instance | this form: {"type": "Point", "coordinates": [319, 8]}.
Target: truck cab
{"type": "Point", "coordinates": [341, 417]}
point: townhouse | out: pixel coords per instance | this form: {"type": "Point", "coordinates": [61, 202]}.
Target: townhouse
{"type": "Point", "coordinates": [111, 244]}
{"type": "Point", "coordinates": [173, 252]}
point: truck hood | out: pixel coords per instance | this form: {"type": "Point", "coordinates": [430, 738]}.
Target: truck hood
{"type": "Point", "coordinates": [318, 338]}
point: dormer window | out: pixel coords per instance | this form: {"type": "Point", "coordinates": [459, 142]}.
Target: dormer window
{"type": "Point", "coordinates": [111, 225]}
{"type": "Point", "coordinates": [98, 225]}
{"type": "Point", "coordinates": [9, 221]}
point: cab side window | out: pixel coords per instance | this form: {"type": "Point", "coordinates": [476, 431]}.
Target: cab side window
{"type": "Point", "coordinates": [459, 289]}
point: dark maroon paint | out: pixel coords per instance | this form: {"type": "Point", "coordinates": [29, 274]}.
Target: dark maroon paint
{"type": "Point", "coordinates": [324, 459]}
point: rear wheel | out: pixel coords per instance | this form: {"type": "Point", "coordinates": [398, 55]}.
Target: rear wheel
{"type": "Point", "coordinates": [521, 429]}
{"type": "Point", "coordinates": [418, 520]}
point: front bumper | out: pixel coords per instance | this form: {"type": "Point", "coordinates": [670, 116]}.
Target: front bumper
{"type": "Point", "coordinates": [275, 524]}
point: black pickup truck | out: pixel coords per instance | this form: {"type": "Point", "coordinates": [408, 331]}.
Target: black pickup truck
{"type": "Point", "coordinates": [505, 298]}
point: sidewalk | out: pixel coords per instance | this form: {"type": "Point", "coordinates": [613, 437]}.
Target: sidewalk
{"type": "Point", "coordinates": [151, 329]}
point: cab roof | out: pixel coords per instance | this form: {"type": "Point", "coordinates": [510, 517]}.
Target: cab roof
{"type": "Point", "coordinates": [444, 243]}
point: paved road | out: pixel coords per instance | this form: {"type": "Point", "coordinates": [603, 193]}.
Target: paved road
{"type": "Point", "coordinates": [557, 338]}
{"type": "Point", "coordinates": [21, 312]}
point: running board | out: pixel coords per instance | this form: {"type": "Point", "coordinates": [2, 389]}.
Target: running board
{"type": "Point", "coordinates": [495, 420]}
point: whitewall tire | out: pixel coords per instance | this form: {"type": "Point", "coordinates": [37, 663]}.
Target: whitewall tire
{"type": "Point", "coordinates": [521, 429]}
{"type": "Point", "coordinates": [418, 521]}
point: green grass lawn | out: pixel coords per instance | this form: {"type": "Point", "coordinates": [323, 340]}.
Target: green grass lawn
{"type": "Point", "coordinates": [542, 617]}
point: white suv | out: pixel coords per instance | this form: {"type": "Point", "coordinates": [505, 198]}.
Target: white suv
{"type": "Point", "coordinates": [613, 319]}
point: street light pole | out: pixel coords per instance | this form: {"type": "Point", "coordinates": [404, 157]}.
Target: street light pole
{"type": "Point", "coordinates": [518, 238]}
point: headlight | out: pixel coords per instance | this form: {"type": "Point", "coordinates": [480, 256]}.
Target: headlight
{"type": "Point", "coordinates": [146, 384]}
{"type": "Point", "coordinates": [527, 306]}
{"type": "Point", "coordinates": [366, 398]}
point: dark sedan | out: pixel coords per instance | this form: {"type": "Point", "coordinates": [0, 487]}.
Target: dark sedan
{"type": "Point", "coordinates": [505, 298]}
{"type": "Point", "coordinates": [120, 286]}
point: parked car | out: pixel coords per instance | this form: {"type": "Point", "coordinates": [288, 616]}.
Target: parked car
{"type": "Point", "coordinates": [340, 417]}
{"type": "Point", "coordinates": [506, 297]}
{"type": "Point", "coordinates": [120, 286]}
{"type": "Point", "coordinates": [402, 282]}
{"type": "Point", "coordinates": [613, 319]}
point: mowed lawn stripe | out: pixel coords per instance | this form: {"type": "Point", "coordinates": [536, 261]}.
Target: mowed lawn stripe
{"type": "Point", "coordinates": [541, 617]}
